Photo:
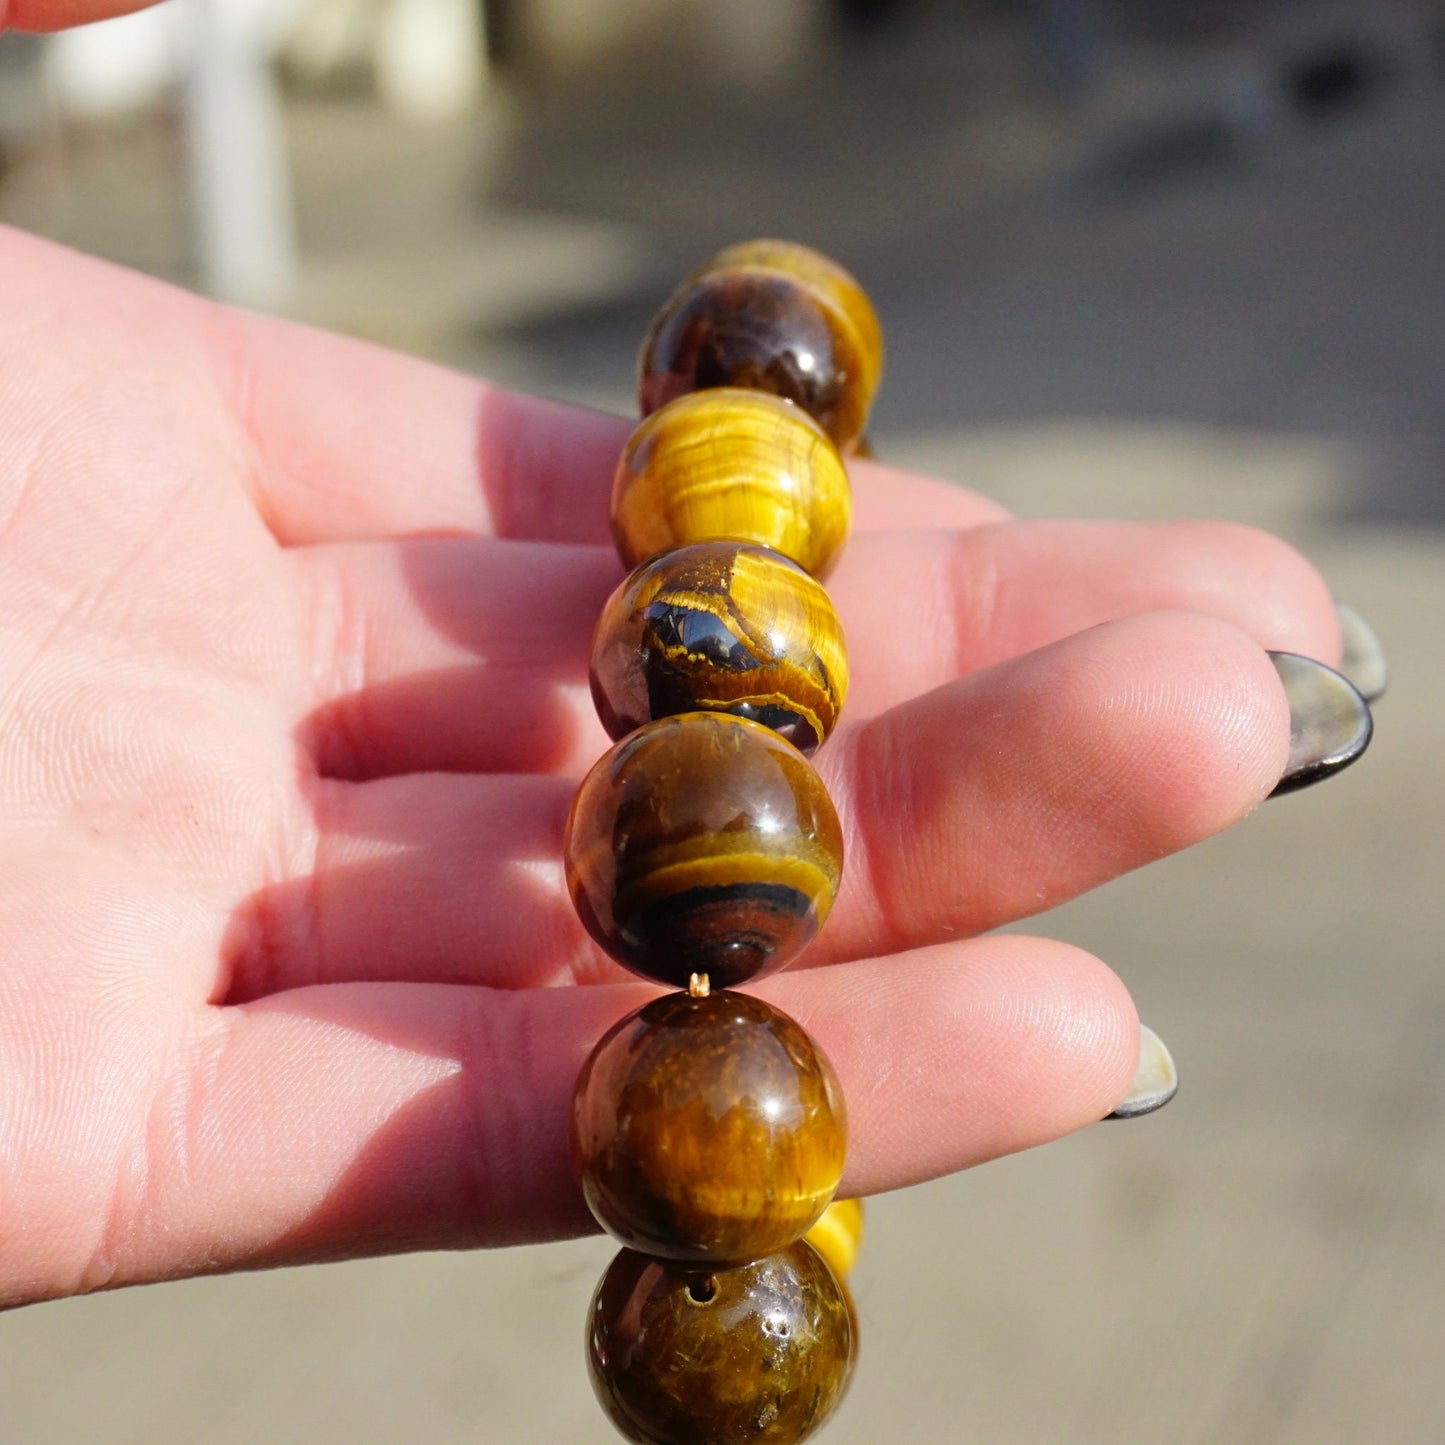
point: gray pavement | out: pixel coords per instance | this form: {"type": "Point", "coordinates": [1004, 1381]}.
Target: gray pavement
{"type": "Point", "coordinates": [1250, 328]}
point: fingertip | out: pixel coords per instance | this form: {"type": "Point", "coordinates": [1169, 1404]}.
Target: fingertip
{"type": "Point", "coordinates": [960, 1053]}
{"type": "Point", "coordinates": [1195, 726]}
{"type": "Point", "coordinates": [1290, 607]}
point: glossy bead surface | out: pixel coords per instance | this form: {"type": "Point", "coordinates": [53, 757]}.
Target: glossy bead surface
{"type": "Point", "coordinates": [707, 1129]}
{"type": "Point", "coordinates": [819, 271]}
{"type": "Point", "coordinates": [730, 465]}
{"type": "Point", "coordinates": [721, 627]}
{"type": "Point", "coordinates": [703, 843]}
{"type": "Point", "coordinates": [758, 1355]}
{"type": "Point", "coordinates": [765, 330]}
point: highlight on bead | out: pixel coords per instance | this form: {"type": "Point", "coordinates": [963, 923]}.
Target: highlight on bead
{"type": "Point", "coordinates": [721, 627]}
{"type": "Point", "coordinates": [708, 1129]}
{"type": "Point", "coordinates": [758, 1355]}
{"type": "Point", "coordinates": [731, 465]}
{"type": "Point", "coordinates": [703, 843]}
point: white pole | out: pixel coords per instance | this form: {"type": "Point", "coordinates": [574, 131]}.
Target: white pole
{"type": "Point", "coordinates": [239, 171]}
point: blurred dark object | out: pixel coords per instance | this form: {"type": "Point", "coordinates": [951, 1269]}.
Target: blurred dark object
{"type": "Point", "coordinates": [1333, 79]}
{"type": "Point", "coordinates": [862, 17]}
{"type": "Point", "coordinates": [500, 30]}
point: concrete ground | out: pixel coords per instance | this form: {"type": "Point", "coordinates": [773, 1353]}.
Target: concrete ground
{"type": "Point", "coordinates": [1164, 301]}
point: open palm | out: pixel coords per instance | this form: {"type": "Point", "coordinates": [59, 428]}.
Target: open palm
{"type": "Point", "coordinates": [293, 641]}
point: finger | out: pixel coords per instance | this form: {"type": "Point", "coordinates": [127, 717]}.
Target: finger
{"type": "Point", "coordinates": [335, 440]}
{"type": "Point", "coordinates": [372, 1118]}
{"type": "Point", "coordinates": [430, 654]}
{"type": "Point", "coordinates": [450, 655]}
{"type": "Point", "coordinates": [977, 597]}
{"type": "Point", "coordinates": [424, 877]}
{"type": "Point", "coordinates": [60, 14]}
{"type": "Point", "coordinates": [358, 443]}
{"type": "Point", "coordinates": [1011, 790]}
{"type": "Point", "coordinates": [987, 800]}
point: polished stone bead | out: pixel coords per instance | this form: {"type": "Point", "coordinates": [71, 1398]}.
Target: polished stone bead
{"type": "Point", "coordinates": [703, 843]}
{"type": "Point", "coordinates": [731, 465]}
{"type": "Point", "coordinates": [707, 1128]}
{"type": "Point", "coordinates": [824, 275]}
{"type": "Point", "coordinates": [765, 330]}
{"type": "Point", "coordinates": [759, 1355]}
{"type": "Point", "coordinates": [721, 627]}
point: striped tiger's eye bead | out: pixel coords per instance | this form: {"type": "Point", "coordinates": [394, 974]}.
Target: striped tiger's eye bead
{"type": "Point", "coordinates": [823, 274]}
{"type": "Point", "coordinates": [721, 627]}
{"type": "Point", "coordinates": [730, 465]}
{"type": "Point", "coordinates": [764, 330]}
{"type": "Point", "coordinates": [758, 1355]}
{"type": "Point", "coordinates": [703, 843]}
{"type": "Point", "coordinates": [707, 1129]}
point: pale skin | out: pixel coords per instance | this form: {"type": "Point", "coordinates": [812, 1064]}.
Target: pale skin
{"type": "Point", "coordinates": [293, 641]}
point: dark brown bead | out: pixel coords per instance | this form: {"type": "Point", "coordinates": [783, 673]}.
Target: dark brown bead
{"type": "Point", "coordinates": [708, 1129]}
{"type": "Point", "coordinates": [703, 843]}
{"type": "Point", "coordinates": [721, 627]}
{"type": "Point", "coordinates": [820, 272]}
{"type": "Point", "coordinates": [759, 1355]}
{"type": "Point", "coordinates": [763, 330]}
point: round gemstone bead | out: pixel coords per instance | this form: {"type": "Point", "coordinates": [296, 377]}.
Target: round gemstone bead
{"type": "Point", "coordinates": [721, 627]}
{"type": "Point", "coordinates": [766, 330]}
{"type": "Point", "coordinates": [707, 1128]}
{"type": "Point", "coordinates": [758, 1355]}
{"type": "Point", "coordinates": [731, 465]}
{"type": "Point", "coordinates": [825, 276]}
{"type": "Point", "coordinates": [703, 843]}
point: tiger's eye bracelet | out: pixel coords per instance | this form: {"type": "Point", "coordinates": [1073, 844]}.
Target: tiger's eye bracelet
{"type": "Point", "coordinates": [703, 851]}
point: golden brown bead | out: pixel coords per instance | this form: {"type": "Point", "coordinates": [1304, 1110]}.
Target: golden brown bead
{"type": "Point", "coordinates": [752, 327]}
{"type": "Point", "coordinates": [758, 1355]}
{"type": "Point", "coordinates": [838, 1235]}
{"type": "Point", "coordinates": [721, 627]}
{"type": "Point", "coordinates": [730, 465]}
{"type": "Point", "coordinates": [703, 843]}
{"type": "Point", "coordinates": [707, 1129]}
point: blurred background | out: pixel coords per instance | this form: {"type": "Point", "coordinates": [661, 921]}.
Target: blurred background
{"type": "Point", "coordinates": [1133, 259]}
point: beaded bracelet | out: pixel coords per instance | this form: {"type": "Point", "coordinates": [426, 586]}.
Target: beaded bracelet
{"type": "Point", "coordinates": [703, 851]}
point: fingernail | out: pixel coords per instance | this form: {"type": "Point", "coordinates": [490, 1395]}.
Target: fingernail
{"type": "Point", "coordinates": [1156, 1080]}
{"type": "Point", "coordinates": [1329, 722]}
{"type": "Point", "coordinates": [1362, 658]}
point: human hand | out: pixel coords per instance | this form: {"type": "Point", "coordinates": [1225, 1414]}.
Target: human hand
{"type": "Point", "coordinates": [58, 14]}
{"type": "Point", "coordinates": [294, 659]}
